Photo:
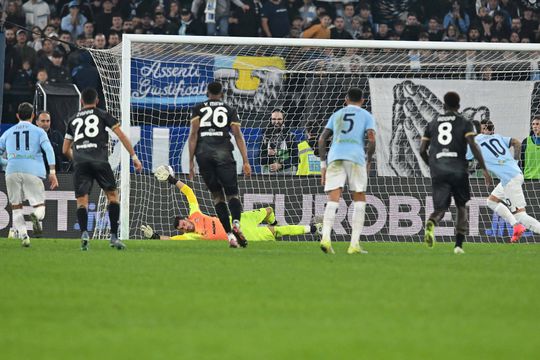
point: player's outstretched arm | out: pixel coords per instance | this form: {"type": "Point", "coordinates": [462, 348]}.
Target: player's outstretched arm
{"type": "Point", "coordinates": [326, 134]}
{"type": "Point", "coordinates": [127, 145]}
{"type": "Point", "coordinates": [478, 156]}
{"type": "Point", "coordinates": [241, 143]}
{"type": "Point", "coordinates": [166, 173]}
{"type": "Point", "coordinates": [149, 233]}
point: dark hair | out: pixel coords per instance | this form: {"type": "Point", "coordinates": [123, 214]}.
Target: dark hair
{"type": "Point", "coordinates": [477, 126]}
{"type": "Point", "coordinates": [43, 112]}
{"type": "Point", "coordinates": [489, 124]}
{"type": "Point", "coordinates": [25, 111]}
{"type": "Point", "coordinates": [355, 94]}
{"type": "Point", "coordinates": [215, 88]}
{"type": "Point", "coordinates": [451, 100]}
{"type": "Point", "coordinates": [176, 223]}
{"type": "Point", "coordinates": [89, 96]}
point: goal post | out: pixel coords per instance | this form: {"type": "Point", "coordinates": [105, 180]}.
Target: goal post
{"type": "Point", "coordinates": [151, 81]}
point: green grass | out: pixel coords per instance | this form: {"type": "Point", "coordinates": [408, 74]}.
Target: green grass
{"type": "Point", "coordinates": [201, 300]}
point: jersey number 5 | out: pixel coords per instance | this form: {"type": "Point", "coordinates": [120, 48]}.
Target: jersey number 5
{"type": "Point", "coordinates": [349, 119]}
{"type": "Point", "coordinates": [219, 117]}
{"type": "Point", "coordinates": [90, 127]}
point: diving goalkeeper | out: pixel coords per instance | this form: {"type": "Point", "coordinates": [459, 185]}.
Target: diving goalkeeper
{"type": "Point", "coordinates": [257, 225]}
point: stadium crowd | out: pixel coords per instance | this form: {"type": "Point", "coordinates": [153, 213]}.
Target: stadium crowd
{"type": "Point", "coordinates": [46, 54]}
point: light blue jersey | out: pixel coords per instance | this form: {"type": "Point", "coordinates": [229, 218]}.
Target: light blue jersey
{"type": "Point", "coordinates": [497, 156]}
{"type": "Point", "coordinates": [349, 126]}
{"type": "Point", "coordinates": [23, 143]}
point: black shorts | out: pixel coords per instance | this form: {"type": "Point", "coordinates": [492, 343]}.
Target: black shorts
{"type": "Point", "coordinates": [218, 170]}
{"type": "Point", "coordinates": [444, 187]}
{"type": "Point", "coordinates": [85, 174]}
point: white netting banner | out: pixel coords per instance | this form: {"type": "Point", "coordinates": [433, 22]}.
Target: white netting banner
{"type": "Point", "coordinates": [403, 88]}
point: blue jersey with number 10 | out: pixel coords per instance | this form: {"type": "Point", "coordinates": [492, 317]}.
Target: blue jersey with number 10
{"type": "Point", "coordinates": [349, 126]}
{"type": "Point", "coordinates": [496, 153]}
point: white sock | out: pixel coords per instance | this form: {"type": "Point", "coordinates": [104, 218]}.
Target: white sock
{"type": "Point", "coordinates": [307, 229]}
{"type": "Point", "coordinates": [501, 210]}
{"type": "Point", "coordinates": [359, 214]}
{"type": "Point", "coordinates": [528, 221]}
{"type": "Point", "coordinates": [40, 212]}
{"type": "Point", "coordinates": [18, 222]}
{"type": "Point", "coordinates": [328, 220]}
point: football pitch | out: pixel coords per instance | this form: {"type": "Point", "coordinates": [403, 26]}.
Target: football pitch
{"type": "Point", "coordinates": [201, 300]}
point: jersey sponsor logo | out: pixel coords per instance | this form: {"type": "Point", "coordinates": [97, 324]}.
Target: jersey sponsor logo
{"type": "Point", "coordinates": [446, 118]}
{"type": "Point", "coordinates": [86, 146]}
{"type": "Point", "coordinates": [211, 133]}
{"type": "Point", "coordinates": [449, 154]}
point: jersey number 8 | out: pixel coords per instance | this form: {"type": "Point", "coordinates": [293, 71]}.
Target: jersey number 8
{"type": "Point", "coordinates": [90, 127]}
{"type": "Point", "coordinates": [445, 133]}
{"type": "Point", "coordinates": [219, 117]}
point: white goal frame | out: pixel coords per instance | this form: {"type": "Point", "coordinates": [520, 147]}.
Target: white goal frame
{"type": "Point", "coordinates": [125, 93]}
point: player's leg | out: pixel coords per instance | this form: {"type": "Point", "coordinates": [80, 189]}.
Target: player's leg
{"type": "Point", "coordinates": [357, 176]}
{"type": "Point", "coordinates": [516, 198]}
{"type": "Point", "coordinates": [441, 201]}
{"type": "Point", "coordinates": [34, 192]}
{"type": "Point", "coordinates": [14, 187]}
{"type": "Point", "coordinates": [334, 182]}
{"type": "Point", "coordinates": [82, 182]}
{"type": "Point", "coordinates": [270, 217]}
{"type": "Point", "coordinates": [462, 194]}
{"type": "Point", "coordinates": [496, 202]}
{"type": "Point", "coordinates": [226, 173]}
{"type": "Point", "coordinates": [106, 180]}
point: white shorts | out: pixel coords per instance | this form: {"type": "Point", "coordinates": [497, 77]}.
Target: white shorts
{"type": "Point", "coordinates": [511, 194]}
{"type": "Point", "coordinates": [341, 171]}
{"type": "Point", "coordinates": [23, 186]}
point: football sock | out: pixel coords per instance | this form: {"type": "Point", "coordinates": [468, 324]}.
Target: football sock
{"type": "Point", "coordinates": [82, 217]}
{"type": "Point", "coordinates": [459, 240]}
{"type": "Point", "coordinates": [235, 206]}
{"type": "Point", "coordinates": [358, 217]}
{"type": "Point", "coordinates": [223, 214]}
{"type": "Point", "coordinates": [528, 221]}
{"type": "Point", "coordinates": [501, 210]}
{"type": "Point", "coordinates": [39, 212]}
{"type": "Point", "coordinates": [114, 216]}
{"type": "Point", "coordinates": [291, 230]}
{"type": "Point", "coordinates": [18, 222]}
{"type": "Point", "coordinates": [328, 221]}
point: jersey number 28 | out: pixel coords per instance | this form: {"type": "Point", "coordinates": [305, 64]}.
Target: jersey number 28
{"type": "Point", "coordinates": [86, 128]}
{"type": "Point", "coordinates": [219, 117]}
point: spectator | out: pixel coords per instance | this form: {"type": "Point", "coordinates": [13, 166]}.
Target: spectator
{"type": "Point", "coordinates": [530, 152]}
{"type": "Point", "coordinates": [43, 121]}
{"type": "Point", "coordinates": [88, 30]}
{"type": "Point", "coordinates": [319, 31]}
{"type": "Point", "coordinates": [474, 35]}
{"type": "Point", "coordinates": [15, 15]}
{"type": "Point", "coordinates": [57, 72]}
{"type": "Point", "coordinates": [50, 31]}
{"type": "Point", "coordinates": [308, 162]}
{"type": "Point", "coordinates": [146, 24]}
{"type": "Point", "coordinates": [114, 39]}
{"type": "Point", "coordinates": [279, 153]}
{"type": "Point", "coordinates": [36, 42]}
{"type": "Point", "coordinates": [412, 28]}
{"type": "Point", "coordinates": [26, 53]}
{"type": "Point", "coordinates": [117, 23]}
{"type": "Point", "coordinates": [37, 13]}
{"type": "Point", "coordinates": [450, 34]}
{"type": "Point", "coordinates": [44, 56]}
{"type": "Point", "coordinates": [189, 25]}
{"type": "Point", "coordinates": [487, 24]}
{"type": "Point", "coordinates": [75, 54]}
{"type": "Point", "coordinates": [127, 27]}
{"type": "Point", "coordinates": [365, 15]}
{"type": "Point", "coordinates": [383, 32]}
{"type": "Point", "coordinates": [174, 13]}
{"type": "Point", "coordinates": [399, 28]}
{"type": "Point", "coordinates": [514, 37]}
{"type": "Point", "coordinates": [85, 75]}
{"type": "Point", "coordinates": [100, 42]}
{"type": "Point", "coordinates": [509, 7]}
{"type": "Point", "coordinates": [348, 14]}
{"type": "Point", "coordinates": [42, 76]}
{"type": "Point", "coordinates": [55, 21]}
{"type": "Point", "coordinates": [518, 27]}
{"type": "Point", "coordinates": [499, 29]}
{"type": "Point", "coordinates": [292, 8]}
{"type": "Point", "coordinates": [297, 24]}
{"type": "Point", "coordinates": [74, 21]}
{"type": "Point", "coordinates": [163, 26]}
{"type": "Point", "coordinates": [457, 17]}
{"type": "Point", "coordinates": [308, 11]}
{"type": "Point", "coordinates": [247, 23]}
{"type": "Point", "coordinates": [434, 29]}
{"type": "Point", "coordinates": [217, 14]}
{"type": "Point", "coordinates": [24, 79]}
{"type": "Point", "coordinates": [64, 44]}
{"type": "Point", "coordinates": [529, 25]}
{"type": "Point", "coordinates": [275, 19]}
{"type": "Point", "coordinates": [103, 20]}
{"type": "Point", "coordinates": [338, 31]}
{"type": "Point", "coordinates": [493, 7]}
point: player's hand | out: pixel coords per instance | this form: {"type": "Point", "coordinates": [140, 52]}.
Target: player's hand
{"type": "Point", "coordinates": [487, 177]}
{"type": "Point", "coordinates": [163, 172]}
{"type": "Point", "coordinates": [191, 171]}
{"type": "Point", "coordinates": [275, 167]}
{"type": "Point", "coordinates": [137, 165]}
{"type": "Point", "coordinates": [246, 168]}
{"type": "Point", "coordinates": [271, 152]}
{"type": "Point", "coordinates": [245, 7]}
{"type": "Point", "coordinates": [323, 176]}
{"type": "Point", "coordinates": [53, 181]}
{"type": "Point", "coordinates": [148, 232]}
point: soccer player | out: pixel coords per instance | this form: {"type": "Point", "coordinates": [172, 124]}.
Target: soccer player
{"type": "Point", "coordinates": [25, 169]}
{"type": "Point", "coordinates": [209, 141]}
{"type": "Point", "coordinates": [86, 131]}
{"type": "Point", "coordinates": [447, 137]}
{"type": "Point", "coordinates": [346, 162]}
{"type": "Point", "coordinates": [198, 226]}
{"type": "Point", "coordinates": [507, 199]}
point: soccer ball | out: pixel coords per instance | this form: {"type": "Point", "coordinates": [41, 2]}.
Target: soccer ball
{"type": "Point", "coordinates": [162, 173]}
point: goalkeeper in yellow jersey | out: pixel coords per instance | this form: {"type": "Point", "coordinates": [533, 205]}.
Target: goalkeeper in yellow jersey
{"type": "Point", "coordinates": [257, 225]}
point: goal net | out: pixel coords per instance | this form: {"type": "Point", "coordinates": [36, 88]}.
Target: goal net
{"type": "Point", "coordinates": [151, 82]}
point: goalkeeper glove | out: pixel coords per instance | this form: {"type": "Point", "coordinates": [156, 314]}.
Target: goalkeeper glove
{"type": "Point", "coordinates": [165, 173]}
{"type": "Point", "coordinates": [149, 233]}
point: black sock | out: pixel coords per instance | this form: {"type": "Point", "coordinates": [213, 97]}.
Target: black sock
{"type": "Point", "coordinates": [223, 214]}
{"type": "Point", "coordinates": [459, 240]}
{"type": "Point", "coordinates": [114, 216]}
{"type": "Point", "coordinates": [236, 208]}
{"type": "Point", "coordinates": [82, 217]}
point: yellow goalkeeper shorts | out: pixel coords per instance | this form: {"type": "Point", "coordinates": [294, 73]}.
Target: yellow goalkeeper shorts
{"type": "Point", "coordinates": [250, 222]}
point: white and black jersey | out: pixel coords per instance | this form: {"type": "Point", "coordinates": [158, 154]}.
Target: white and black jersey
{"type": "Point", "coordinates": [215, 119]}
{"type": "Point", "coordinates": [87, 130]}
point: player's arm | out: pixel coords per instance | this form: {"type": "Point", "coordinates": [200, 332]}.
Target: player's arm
{"type": "Point", "coordinates": [241, 143]}
{"type": "Point", "coordinates": [326, 134]}
{"type": "Point", "coordinates": [478, 156]}
{"type": "Point", "coordinates": [66, 147]}
{"type": "Point", "coordinates": [265, 26]}
{"type": "Point", "coordinates": [192, 143]}
{"type": "Point", "coordinates": [127, 145]}
{"type": "Point", "coordinates": [165, 173]}
{"type": "Point", "coordinates": [51, 159]}
{"type": "Point", "coordinates": [149, 233]}
{"type": "Point", "coordinates": [370, 148]}
{"type": "Point", "coordinates": [516, 144]}
{"type": "Point", "coordinates": [424, 145]}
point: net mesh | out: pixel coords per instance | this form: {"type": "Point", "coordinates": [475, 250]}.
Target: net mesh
{"type": "Point", "coordinates": [403, 90]}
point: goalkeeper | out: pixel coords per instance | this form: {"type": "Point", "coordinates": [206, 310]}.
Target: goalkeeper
{"type": "Point", "coordinates": [198, 226]}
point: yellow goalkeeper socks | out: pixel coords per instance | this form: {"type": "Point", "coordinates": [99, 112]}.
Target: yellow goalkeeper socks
{"type": "Point", "coordinates": [291, 230]}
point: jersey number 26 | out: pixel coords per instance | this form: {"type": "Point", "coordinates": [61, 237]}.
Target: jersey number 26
{"type": "Point", "coordinates": [219, 117]}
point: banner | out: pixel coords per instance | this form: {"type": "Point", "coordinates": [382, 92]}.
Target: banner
{"type": "Point", "coordinates": [403, 108]}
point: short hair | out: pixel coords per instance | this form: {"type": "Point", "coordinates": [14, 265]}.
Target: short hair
{"type": "Point", "coordinates": [215, 88]}
{"type": "Point", "coordinates": [489, 124]}
{"type": "Point", "coordinates": [25, 111]}
{"type": "Point", "coordinates": [176, 223]}
{"type": "Point", "coordinates": [43, 112]}
{"type": "Point", "coordinates": [477, 126]}
{"type": "Point", "coordinates": [355, 94]}
{"type": "Point", "coordinates": [451, 100]}
{"type": "Point", "coordinates": [89, 96]}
